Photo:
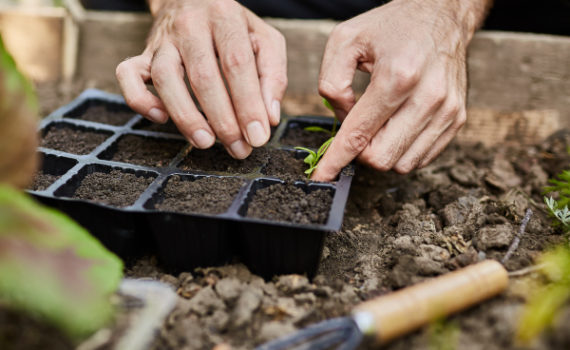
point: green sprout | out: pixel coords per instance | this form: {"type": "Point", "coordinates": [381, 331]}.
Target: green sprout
{"type": "Point", "coordinates": [559, 208]}
{"type": "Point", "coordinates": [314, 157]}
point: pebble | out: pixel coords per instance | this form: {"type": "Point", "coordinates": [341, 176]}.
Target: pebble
{"type": "Point", "coordinates": [494, 237]}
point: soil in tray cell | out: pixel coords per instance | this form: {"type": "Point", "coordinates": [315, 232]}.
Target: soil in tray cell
{"type": "Point", "coordinates": [284, 165]}
{"type": "Point", "coordinates": [217, 159]}
{"type": "Point", "coordinates": [289, 203]}
{"type": "Point", "coordinates": [53, 167]}
{"type": "Point", "coordinates": [206, 195]}
{"type": "Point", "coordinates": [115, 188]}
{"type": "Point", "coordinates": [296, 135]}
{"type": "Point", "coordinates": [146, 151]}
{"type": "Point", "coordinates": [105, 113]}
{"type": "Point", "coordinates": [168, 127]}
{"type": "Point", "coordinates": [42, 181]}
{"type": "Point", "coordinates": [72, 140]}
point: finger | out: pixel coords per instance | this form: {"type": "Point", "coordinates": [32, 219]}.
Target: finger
{"type": "Point", "coordinates": [376, 105]}
{"type": "Point", "coordinates": [271, 58]}
{"type": "Point", "coordinates": [206, 81]}
{"type": "Point", "coordinates": [400, 132]}
{"type": "Point", "coordinates": [338, 67]}
{"type": "Point", "coordinates": [441, 122]}
{"type": "Point", "coordinates": [237, 60]}
{"type": "Point", "coordinates": [132, 75]}
{"type": "Point", "coordinates": [168, 78]}
{"type": "Point", "coordinates": [444, 139]}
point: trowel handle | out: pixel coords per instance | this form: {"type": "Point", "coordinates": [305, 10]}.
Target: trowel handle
{"type": "Point", "coordinates": [398, 313]}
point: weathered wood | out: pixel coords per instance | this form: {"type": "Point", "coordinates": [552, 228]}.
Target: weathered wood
{"type": "Point", "coordinates": [34, 36]}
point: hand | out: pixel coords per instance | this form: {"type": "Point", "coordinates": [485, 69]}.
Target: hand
{"type": "Point", "coordinates": [187, 38]}
{"type": "Point", "coordinates": [415, 102]}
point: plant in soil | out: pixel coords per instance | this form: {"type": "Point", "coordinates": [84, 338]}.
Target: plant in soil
{"type": "Point", "coordinates": [559, 208]}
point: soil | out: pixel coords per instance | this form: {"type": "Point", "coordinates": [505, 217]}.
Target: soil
{"type": "Point", "coordinates": [19, 331]}
{"type": "Point", "coordinates": [398, 230]}
{"type": "Point", "coordinates": [206, 195]}
{"type": "Point", "coordinates": [105, 114]}
{"type": "Point", "coordinates": [289, 203]}
{"type": "Point", "coordinates": [300, 137]}
{"type": "Point", "coordinates": [42, 181]}
{"type": "Point", "coordinates": [217, 159]}
{"type": "Point", "coordinates": [284, 165]}
{"type": "Point", "coordinates": [168, 127]}
{"type": "Point", "coordinates": [146, 151]}
{"type": "Point", "coordinates": [71, 140]}
{"type": "Point", "coordinates": [116, 188]}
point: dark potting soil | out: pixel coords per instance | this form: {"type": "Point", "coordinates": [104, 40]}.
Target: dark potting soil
{"type": "Point", "coordinates": [289, 203]}
{"type": "Point", "coordinates": [146, 150]}
{"type": "Point", "coordinates": [147, 125]}
{"type": "Point", "coordinates": [217, 159]}
{"type": "Point", "coordinates": [300, 137]}
{"type": "Point", "coordinates": [42, 181]}
{"type": "Point", "coordinates": [116, 188]}
{"type": "Point", "coordinates": [206, 195]}
{"type": "Point", "coordinates": [71, 140]}
{"type": "Point", "coordinates": [19, 331]}
{"type": "Point", "coordinates": [106, 114]}
{"type": "Point", "coordinates": [283, 164]}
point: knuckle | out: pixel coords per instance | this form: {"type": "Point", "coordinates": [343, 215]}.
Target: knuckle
{"type": "Point", "coordinates": [331, 91]}
{"type": "Point", "coordinates": [381, 163]}
{"type": "Point", "coordinates": [343, 31]}
{"type": "Point", "coordinates": [226, 131]}
{"type": "Point", "coordinates": [405, 77]}
{"type": "Point", "coordinates": [122, 69]}
{"type": "Point", "coordinates": [437, 95]}
{"type": "Point", "coordinates": [404, 167]}
{"type": "Point", "coordinates": [222, 7]}
{"type": "Point", "coordinates": [461, 119]}
{"type": "Point", "coordinates": [281, 81]}
{"type": "Point", "coordinates": [356, 141]}
{"type": "Point", "coordinates": [135, 101]}
{"type": "Point", "coordinates": [237, 59]}
{"type": "Point", "coordinates": [159, 73]}
{"type": "Point", "coordinates": [202, 73]}
{"type": "Point", "coordinates": [182, 21]}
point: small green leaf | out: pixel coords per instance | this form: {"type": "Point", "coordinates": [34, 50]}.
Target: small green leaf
{"type": "Point", "coordinates": [317, 129]}
{"type": "Point", "coordinates": [328, 104]}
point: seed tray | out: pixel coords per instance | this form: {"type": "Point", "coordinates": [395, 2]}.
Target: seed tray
{"type": "Point", "coordinates": [182, 241]}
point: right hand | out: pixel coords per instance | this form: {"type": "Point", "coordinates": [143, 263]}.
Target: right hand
{"type": "Point", "coordinates": [187, 38]}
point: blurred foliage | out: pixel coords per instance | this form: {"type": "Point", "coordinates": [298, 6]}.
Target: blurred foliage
{"type": "Point", "coordinates": [53, 268]}
{"type": "Point", "coordinates": [443, 335]}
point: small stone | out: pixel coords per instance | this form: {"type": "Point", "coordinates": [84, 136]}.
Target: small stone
{"type": "Point", "coordinates": [248, 302]}
{"type": "Point", "coordinates": [292, 283]}
{"type": "Point", "coordinates": [229, 289]}
{"type": "Point", "coordinates": [494, 237]}
{"type": "Point", "coordinates": [206, 301]}
{"type": "Point", "coordinates": [273, 330]}
{"type": "Point", "coordinates": [405, 245]}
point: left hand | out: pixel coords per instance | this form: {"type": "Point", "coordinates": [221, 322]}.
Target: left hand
{"type": "Point", "coordinates": [415, 102]}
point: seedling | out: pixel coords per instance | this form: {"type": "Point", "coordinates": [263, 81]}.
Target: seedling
{"type": "Point", "coordinates": [313, 158]}
{"type": "Point", "coordinates": [559, 208]}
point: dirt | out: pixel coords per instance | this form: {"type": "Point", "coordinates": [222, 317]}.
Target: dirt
{"type": "Point", "coordinates": [116, 188]}
{"type": "Point", "coordinates": [298, 136]}
{"type": "Point", "coordinates": [206, 195]}
{"type": "Point", "coordinates": [19, 331]}
{"type": "Point", "coordinates": [42, 181]}
{"type": "Point", "coordinates": [71, 140]}
{"type": "Point", "coordinates": [217, 159]}
{"type": "Point", "coordinates": [284, 165]}
{"type": "Point", "coordinates": [145, 151]}
{"type": "Point", "coordinates": [289, 203]}
{"type": "Point", "coordinates": [168, 127]}
{"type": "Point", "coordinates": [104, 113]}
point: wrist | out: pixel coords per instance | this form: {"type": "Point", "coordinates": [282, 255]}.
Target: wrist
{"type": "Point", "coordinates": [467, 15]}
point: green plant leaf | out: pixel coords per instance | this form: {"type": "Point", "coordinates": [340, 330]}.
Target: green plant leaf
{"type": "Point", "coordinates": [317, 129]}
{"type": "Point", "coordinates": [328, 104]}
{"type": "Point", "coordinates": [51, 267]}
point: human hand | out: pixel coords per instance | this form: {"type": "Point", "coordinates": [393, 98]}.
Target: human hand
{"type": "Point", "coordinates": [186, 39]}
{"type": "Point", "coordinates": [415, 102]}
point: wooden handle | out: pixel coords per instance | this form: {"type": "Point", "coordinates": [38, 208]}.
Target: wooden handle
{"type": "Point", "coordinates": [410, 308]}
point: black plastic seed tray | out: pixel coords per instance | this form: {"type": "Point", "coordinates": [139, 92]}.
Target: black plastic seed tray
{"type": "Point", "coordinates": [115, 148]}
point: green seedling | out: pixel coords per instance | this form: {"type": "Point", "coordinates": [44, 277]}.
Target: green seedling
{"type": "Point", "coordinates": [559, 208]}
{"type": "Point", "coordinates": [314, 157]}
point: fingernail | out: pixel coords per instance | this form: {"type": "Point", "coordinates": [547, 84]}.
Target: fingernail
{"type": "Point", "coordinates": [240, 149]}
{"type": "Point", "coordinates": [276, 111]}
{"type": "Point", "coordinates": [256, 134]}
{"type": "Point", "coordinates": [202, 138]}
{"type": "Point", "coordinates": [157, 115]}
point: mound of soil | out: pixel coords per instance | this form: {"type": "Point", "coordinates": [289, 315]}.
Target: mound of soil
{"type": "Point", "coordinates": [284, 165]}
{"type": "Point", "coordinates": [206, 195]}
{"type": "Point", "coordinates": [116, 188]}
{"type": "Point", "coordinates": [300, 137]}
{"type": "Point", "coordinates": [105, 114]}
{"type": "Point", "coordinates": [145, 151]}
{"type": "Point", "coordinates": [289, 203]}
{"type": "Point", "coordinates": [168, 127]}
{"type": "Point", "coordinates": [70, 140]}
{"type": "Point", "coordinates": [398, 230]}
{"type": "Point", "coordinates": [42, 181]}
{"type": "Point", "coordinates": [217, 159]}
